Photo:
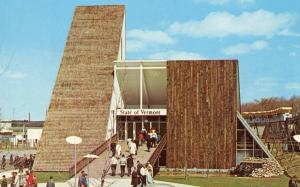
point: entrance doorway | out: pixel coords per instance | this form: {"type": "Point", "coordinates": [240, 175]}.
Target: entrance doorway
{"type": "Point", "coordinates": [130, 126]}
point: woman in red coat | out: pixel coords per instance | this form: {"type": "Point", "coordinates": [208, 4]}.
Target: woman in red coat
{"type": "Point", "coordinates": [30, 180]}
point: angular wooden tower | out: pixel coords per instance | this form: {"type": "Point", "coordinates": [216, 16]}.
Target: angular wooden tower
{"type": "Point", "coordinates": [80, 103]}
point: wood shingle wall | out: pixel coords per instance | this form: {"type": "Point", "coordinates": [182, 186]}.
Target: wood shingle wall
{"type": "Point", "coordinates": [202, 99]}
{"type": "Point", "coordinates": [83, 89]}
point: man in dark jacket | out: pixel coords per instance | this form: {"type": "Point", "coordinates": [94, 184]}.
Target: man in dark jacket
{"type": "Point", "coordinates": [139, 166]}
{"type": "Point", "coordinates": [148, 144]}
{"type": "Point", "coordinates": [50, 182]}
{"type": "Point", "coordinates": [134, 178]}
{"type": "Point", "coordinates": [82, 182]}
{"type": "Point", "coordinates": [130, 164]}
{"type": "Point", "coordinates": [4, 181]}
{"type": "Point", "coordinates": [136, 141]}
{"type": "Point", "coordinates": [293, 181]}
{"type": "Point", "coordinates": [82, 179]}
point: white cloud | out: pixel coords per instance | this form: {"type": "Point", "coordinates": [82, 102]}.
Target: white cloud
{"type": "Point", "coordinates": [139, 40]}
{"type": "Point", "coordinates": [223, 2]}
{"type": "Point", "coordinates": [286, 32]}
{"type": "Point", "coordinates": [158, 37]}
{"type": "Point", "coordinates": [135, 45]}
{"type": "Point", "coordinates": [214, 2]}
{"type": "Point", "coordinates": [221, 24]}
{"type": "Point", "coordinates": [247, 1]}
{"type": "Point", "coordinates": [293, 54]}
{"type": "Point", "coordinates": [293, 86]}
{"type": "Point", "coordinates": [265, 82]}
{"type": "Point", "coordinates": [12, 74]}
{"type": "Point", "coordinates": [244, 48]}
{"type": "Point", "coordinates": [176, 55]}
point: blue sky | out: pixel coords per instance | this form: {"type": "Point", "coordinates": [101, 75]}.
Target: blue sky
{"type": "Point", "coordinates": [264, 35]}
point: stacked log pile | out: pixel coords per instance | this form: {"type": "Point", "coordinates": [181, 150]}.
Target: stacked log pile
{"type": "Point", "coordinates": [270, 168]}
{"type": "Point", "coordinates": [258, 167]}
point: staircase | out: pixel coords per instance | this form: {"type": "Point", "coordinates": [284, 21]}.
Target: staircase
{"type": "Point", "coordinates": [98, 151]}
{"type": "Point", "coordinates": [96, 167]}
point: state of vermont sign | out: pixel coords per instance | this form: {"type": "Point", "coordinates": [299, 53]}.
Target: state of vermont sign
{"type": "Point", "coordinates": [141, 112]}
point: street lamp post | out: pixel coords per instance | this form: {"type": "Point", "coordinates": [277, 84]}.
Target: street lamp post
{"type": "Point", "coordinates": [74, 140]}
{"type": "Point", "coordinates": [89, 157]}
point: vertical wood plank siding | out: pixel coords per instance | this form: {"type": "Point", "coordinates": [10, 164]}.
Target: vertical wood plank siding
{"type": "Point", "coordinates": [81, 96]}
{"type": "Point", "coordinates": [201, 108]}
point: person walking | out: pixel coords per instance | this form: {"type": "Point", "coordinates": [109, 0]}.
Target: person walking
{"type": "Point", "coordinates": [133, 150]}
{"type": "Point", "coordinates": [21, 179]}
{"type": "Point", "coordinates": [30, 180]}
{"type": "Point", "coordinates": [149, 179]}
{"type": "Point", "coordinates": [143, 176]}
{"type": "Point", "coordinates": [293, 181]}
{"type": "Point", "coordinates": [130, 164]}
{"type": "Point", "coordinates": [136, 141]}
{"type": "Point", "coordinates": [122, 162]}
{"type": "Point", "coordinates": [141, 138]}
{"type": "Point", "coordinates": [11, 159]}
{"type": "Point", "coordinates": [149, 167]}
{"type": "Point", "coordinates": [4, 181]}
{"type": "Point", "coordinates": [3, 164]}
{"type": "Point", "coordinates": [113, 165]}
{"type": "Point", "coordinates": [50, 182]}
{"type": "Point", "coordinates": [113, 149]}
{"type": "Point", "coordinates": [83, 181]}
{"type": "Point", "coordinates": [79, 179]}
{"type": "Point", "coordinates": [138, 167]}
{"type": "Point", "coordinates": [35, 181]}
{"type": "Point", "coordinates": [13, 181]}
{"type": "Point", "coordinates": [148, 144]}
{"type": "Point", "coordinates": [134, 178]}
{"type": "Point", "coordinates": [118, 150]}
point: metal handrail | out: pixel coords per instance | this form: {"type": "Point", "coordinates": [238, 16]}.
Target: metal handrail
{"type": "Point", "coordinates": [85, 161]}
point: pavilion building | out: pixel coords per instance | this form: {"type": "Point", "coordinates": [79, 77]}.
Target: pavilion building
{"type": "Point", "coordinates": [98, 93]}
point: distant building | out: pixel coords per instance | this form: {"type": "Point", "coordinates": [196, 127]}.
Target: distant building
{"type": "Point", "coordinates": [24, 131]}
{"type": "Point", "coordinates": [260, 119]}
{"type": "Point", "coordinates": [275, 115]}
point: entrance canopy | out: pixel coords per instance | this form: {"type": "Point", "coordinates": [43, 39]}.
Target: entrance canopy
{"type": "Point", "coordinates": [142, 83]}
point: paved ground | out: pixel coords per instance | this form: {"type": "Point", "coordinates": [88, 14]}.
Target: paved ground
{"type": "Point", "coordinates": [118, 183]}
{"type": "Point", "coordinates": [96, 167]}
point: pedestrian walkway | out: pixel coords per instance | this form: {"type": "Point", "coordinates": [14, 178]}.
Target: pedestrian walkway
{"type": "Point", "coordinates": [96, 167]}
{"type": "Point", "coordinates": [8, 173]}
{"type": "Point", "coordinates": [124, 182]}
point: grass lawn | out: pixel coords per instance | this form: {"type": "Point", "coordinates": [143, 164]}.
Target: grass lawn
{"type": "Point", "coordinates": [226, 181]}
{"type": "Point", "coordinates": [57, 176]}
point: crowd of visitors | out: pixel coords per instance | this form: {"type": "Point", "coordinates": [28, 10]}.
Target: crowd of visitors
{"type": "Point", "coordinates": [18, 162]}
{"type": "Point", "coordinates": [141, 174]}
{"type": "Point", "coordinates": [151, 138]}
{"type": "Point", "coordinates": [19, 179]}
